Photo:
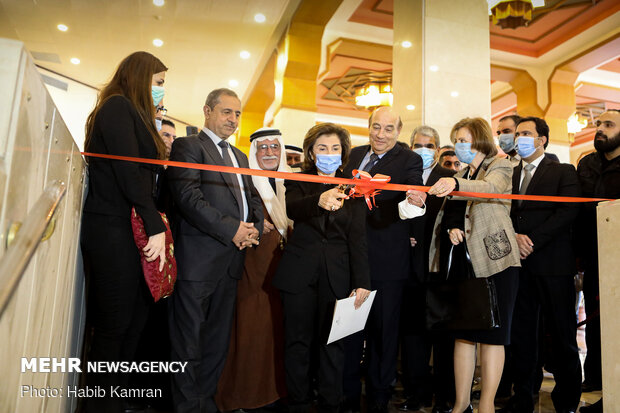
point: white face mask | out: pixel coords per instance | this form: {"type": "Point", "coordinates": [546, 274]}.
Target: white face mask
{"type": "Point", "coordinates": [408, 211]}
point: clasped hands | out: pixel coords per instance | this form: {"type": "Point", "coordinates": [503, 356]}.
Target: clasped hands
{"type": "Point", "coordinates": [246, 235]}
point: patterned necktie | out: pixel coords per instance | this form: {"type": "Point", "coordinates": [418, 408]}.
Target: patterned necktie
{"type": "Point", "coordinates": [374, 158]}
{"type": "Point", "coordinates": [527, 177]}
{"type": "Point", "coordinates": [236, 188]}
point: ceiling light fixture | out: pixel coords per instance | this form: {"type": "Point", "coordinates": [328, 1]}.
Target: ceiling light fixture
{"type": "Point", "coordinates": [245, 54]}
{"type": "Point", "coordinates": [259, 18]}
{"type": "Point", "coordinates": [233, 83]}
{"type": "Point", "coordinates": [374, 94]}
{"type": "Point", "coordinates": [454, 94]}
{"type": "Point", "coordinates": [433, 68]}
{"type": "Point", "coordinates": [406, 44]}
{"type": "Point", "coordinates": [158, 42]}
{"type": "Point", "coordinates": [410, 107]}
{"type": "Point", "coordinates": [158, 3]}
{"type": "Point", "coordinates": [75, 60]}
{"type": "Point", "coordinates": [62, 27]}
{"type": "Point", "coordinates": [576, 125]}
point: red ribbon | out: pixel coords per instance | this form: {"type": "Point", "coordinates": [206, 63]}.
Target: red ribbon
{"type": "Point", "coordinates": [370, 187]}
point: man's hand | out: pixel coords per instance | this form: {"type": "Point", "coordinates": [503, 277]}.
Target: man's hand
{"type": "Point", "coordinates": [526, 246]}
{"type": "Point", "coordinates": [331, 200]}
{"type": "Point", "coordinates": [416, 198]}
{"type": "Point", "coordinates": [456, 236]}
{"type": "Point", "coordinates": [246, 235]}
{"type": "Point", "coordinates": [267, 227]}
{"type": "Point", "coordinates": [413, 241]}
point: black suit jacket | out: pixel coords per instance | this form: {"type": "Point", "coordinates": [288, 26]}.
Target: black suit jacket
{"type": "Point", "coordinates": [207, 214]}
{"type": "Point", "coordinates": [389, 248]}
{"type": "Point", "coordinates": [116, 186]}
{"type": "Point", "coordinates": [334, 239]}
{"type": "Point", "coordinates": [422, 228]}
{"type": "Point", "coordinates": [548, 224]}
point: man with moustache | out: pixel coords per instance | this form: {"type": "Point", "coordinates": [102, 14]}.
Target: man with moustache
{"type": "Point", "coordinates": [599, 175]}
{"type": "Point", "coordinates": [389, 259]}
{"type": "Point", "coordinates": [219, 215]}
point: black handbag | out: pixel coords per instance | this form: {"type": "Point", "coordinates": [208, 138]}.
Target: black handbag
{"type": "Point", "coordinates": [461, 301]}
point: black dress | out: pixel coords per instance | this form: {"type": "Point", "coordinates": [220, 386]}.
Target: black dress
{"type": "Point", "coordinates": [118, 298]}
{"type": "Point", "coordinates": [506, 281]}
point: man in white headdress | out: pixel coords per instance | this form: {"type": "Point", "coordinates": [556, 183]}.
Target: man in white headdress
{"type": "Point", "coordinates": [254, 373]}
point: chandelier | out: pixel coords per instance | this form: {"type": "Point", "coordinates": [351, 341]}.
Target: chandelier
{"type": "Point", "coordinates": [374, 94]}
{"type": "Point", "coordinates": [510, 14]}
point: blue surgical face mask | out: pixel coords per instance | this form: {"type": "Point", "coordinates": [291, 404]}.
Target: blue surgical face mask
{"type": "Point", "coordinates": [158, 94]}
{"type": "Point", "coordinates": [525, 146]}
{"type": "Point", "coordinates": [507, 142]}
{"type": "Point", "coordinates": [428, 156]}
{"type": "Point", "coordinates": [158, 124]}
{"type": "Point", "coordinates": [464, 153]}
{"type": "Point", "coordinates": [328, 164]}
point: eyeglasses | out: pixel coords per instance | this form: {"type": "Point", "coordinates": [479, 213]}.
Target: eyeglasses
{"type": "Point", "coordinates": [273, 146]}
{"type": "Point", "coordinates": [162, 109]}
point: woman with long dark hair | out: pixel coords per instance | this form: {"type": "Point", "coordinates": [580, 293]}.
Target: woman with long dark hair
{"type": "Point", "coordinates": [122, 123]}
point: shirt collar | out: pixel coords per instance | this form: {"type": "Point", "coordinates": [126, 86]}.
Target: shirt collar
{"type": "Point", "coordinates": [216, 139]}
{"type": "Point", "coordinates": [536, 161]}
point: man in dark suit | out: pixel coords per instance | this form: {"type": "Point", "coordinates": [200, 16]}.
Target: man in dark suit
{"type": "Point", "coordinates": [219, 215]}
{"type": "Point", "coordinates": [416, 343]}
{"type": "Point", "coordinates": [546, 278]}
{"type": "Point", "coordinates": [389, 256]}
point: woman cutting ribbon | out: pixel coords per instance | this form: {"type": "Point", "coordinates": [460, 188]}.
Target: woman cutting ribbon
{"type": "Point", "coordinates": [324, 260]}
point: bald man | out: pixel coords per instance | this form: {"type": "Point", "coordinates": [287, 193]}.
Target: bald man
{"type": "Point", "coordinates": [389, 258]}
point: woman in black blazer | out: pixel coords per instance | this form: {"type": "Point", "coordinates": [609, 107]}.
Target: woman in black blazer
{"type": "Point", "coordinates": [122, 123]}
{"type": "Point", "coordinates": [324, 260]}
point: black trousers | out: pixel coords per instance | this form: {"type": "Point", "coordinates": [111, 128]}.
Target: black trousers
{"type": "Point", "coordinates": [118, 300]}
{"type": "Point", "coordinates": [307, 322]}
{"type": "Point", "coordinates": [592, 365]}
{"type": "Point", "coordinates": [416, 346]}
{"type": "Point", "coordinates": [555, 297]}
{"type": "Point", "coordinates": [200, 319]}
{"type": "Point", "coordinates": [381, 334]}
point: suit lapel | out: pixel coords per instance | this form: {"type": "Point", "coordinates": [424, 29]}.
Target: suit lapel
{"type": "Point", "coordinates": [385, 159]}
{"type": "Point", "coordinates": [355, 161]}
{"type": "Point", "coordinates": [433, 177]}
{"type": "Point", "coordinates": [216, 159]}
{"type": "Point", "coordinates": [538, 173]}
{"type": "Point", "coordinates": [516, 177]}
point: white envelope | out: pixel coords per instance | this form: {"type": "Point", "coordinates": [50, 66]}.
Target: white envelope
{"type": "Point", "coordinates": [347, 320]}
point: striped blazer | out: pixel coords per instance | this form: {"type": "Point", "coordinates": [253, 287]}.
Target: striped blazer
{"type": "Point", "coordinates": [489, 233]}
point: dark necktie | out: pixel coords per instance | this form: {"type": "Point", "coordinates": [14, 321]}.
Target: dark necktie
{"type": "Point", "coordinates": [235, 181]}
{"type": "Point", "coordinates": [527, 177]}
{"type": "Point", "coordinates": [272, 182]}
{"type": "Point", "coordinates": [374, 158]}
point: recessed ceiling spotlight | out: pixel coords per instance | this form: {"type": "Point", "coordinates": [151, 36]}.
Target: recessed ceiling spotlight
{"type": "Point", "coordinates": [410, 107]}
{"type": "Point", "coordinates": [406, 44]}
{"type": "Point", "coordinates": [158, 42]}
{"type": "Point", "coordinates": [233, 83]}
{"type": "Point", "coordinates": [433, 68]}
{"type": "Point", "coordinates": [75, 60]}
{"type": "Point", "coordinates": [158, 3]}
{"type": "Point", "coordinates": [454, 93]}
{"type": "Point", "coordinates": [259, 18]}
{"type": "Point", "coordinates": [62, 27]}
{"type": "Point", "coordinates": [245, 54]}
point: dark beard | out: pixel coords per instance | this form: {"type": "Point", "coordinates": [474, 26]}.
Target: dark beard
{"type": "Point", "coordinates": [606, 144]}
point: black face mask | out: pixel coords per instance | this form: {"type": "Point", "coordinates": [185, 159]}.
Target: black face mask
{"type": "Point", "coordinates": [604, 144]}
